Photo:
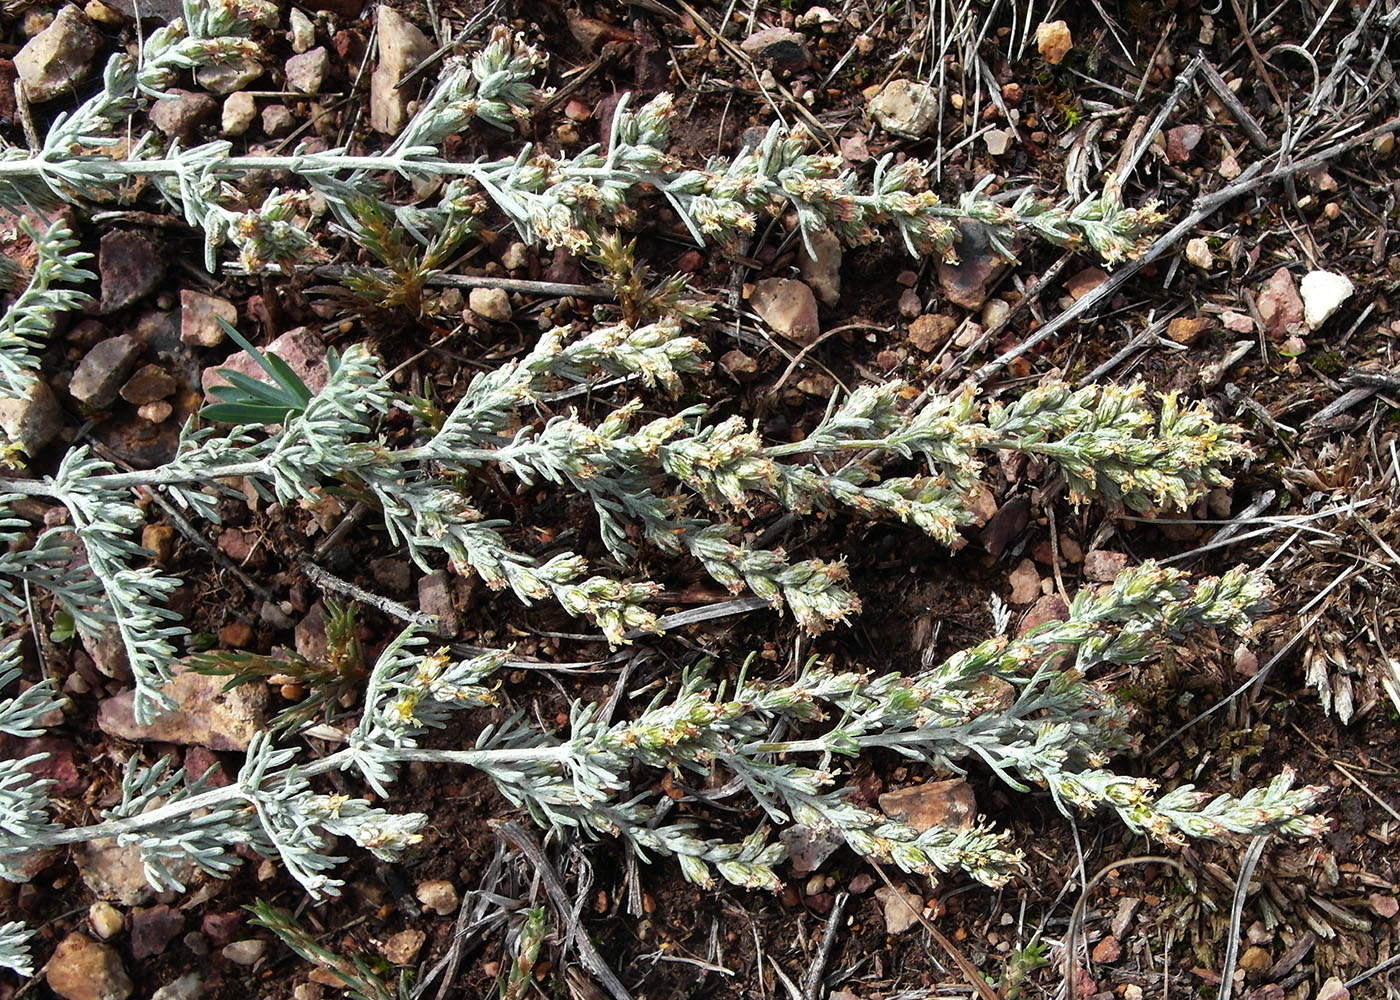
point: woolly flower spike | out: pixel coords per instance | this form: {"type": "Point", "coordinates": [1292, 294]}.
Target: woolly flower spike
{"type": "Point", "coordinates": [1278, 806]}
{"type": "Point", "coordinates": [814, 591]}
{"type": "Point", "coordinates": [722, 463]}
{"type": "Point", "coordinates": [1110, 445]}
{"type": "Point", "coordinates": [276, 232]}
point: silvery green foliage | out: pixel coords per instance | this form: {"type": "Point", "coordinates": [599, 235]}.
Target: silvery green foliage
{"type": "Point", "coordinates": [1022, 706]}
{"type": "Point", "coordinates": [63, 169]}
{"type": "Point", "coordinates": [1106, 439]}
{"type": "Point", "coordinates": [23, 798]}
{"type": "Point", "coordinates": [104, 520]}
{"type": "Point", "coordinates": [673, 482]}
{"type": "Point", "coordinates": [14, 948]}
{"type": "Point", "coordinates": [558, 201]}
{"type": "Point", "coordinates": [495, 86]}
{"type": "Point", "coordinates": [30, 318]}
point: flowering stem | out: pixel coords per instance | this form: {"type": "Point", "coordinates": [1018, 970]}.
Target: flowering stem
{"type": "Point", "coordinates": [153, 819]}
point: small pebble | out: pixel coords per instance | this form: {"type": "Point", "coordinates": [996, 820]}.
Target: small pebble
{"type": "Point", "coordinates": [403, 947]}
{"type": "Point", "coordinates": [246, 952]}
{"type": "Point", "coordinates": [105, 920]}
{"type": "Point", "coordinates": [438, 895]}
{"type": "Point", "coordinates": [491, 304]}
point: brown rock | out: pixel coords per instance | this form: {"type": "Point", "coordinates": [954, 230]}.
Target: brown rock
{"type": "Point", "coordinates": [152, 928]}
{"type": "Point", "coordinates": [229, 77]}
{"type": "Point", "coordinates": [435, 598]}
{"type": "Point", "coordinates": [1383, 905]}
{"type": "Point", "coordinates": [1237, 322]}
{"type": "Point", "coordinates": [1107, 951]}
{"type": "Point", "coordinates": [240, 545]}
{"type": "Point", "coordinates": [160, 539]}
{"type": "Point", "coordinates": [491, 304]}
{"type": "Point", "coordinates": [130, 266]}
{"type": "Point", "coordinates": [1053, 41]}
{"type": "Point", "coordinates": [181, 114]}
{"type": "Point", "coordinates": [310, 634]}
{"type": "Point", "coordinates": [1123, 917]}
{"type": "Point", "coordinates": [966, 282]}
{"type": "Point", "coordinates": [403, 947]}
{"type": "Point", "coordinates": [401, 48]}
{"type": "Point", "coordinates": [807, 848]}
{"type": "Point", "coordinates": [236, 635]}
{"type": "Point", "coordinates": [152, 10]}
{"type": "Point", "coordinates": [592, 34]}
{"type": "Point", "coordinates": [1280, 305]}
{"type": "Point", "coordinates": [103, 370]}
{"type": "Point", "coordinates": [1333, 989]}
{"type": "Point", "coordinates": [105, 919]}
{"type": "Point", "coordinates": [1101, 566]}
{"type": "Point", "coordinates": [821, 266]}
{"type": "Point", "coordinates": [854, 150]}
{"type": "Point", "coordinates": [1050, 608]}
{"type": "Point", "coordinates": [303, 350]}
{"type": "Point", "coordinates": [246, 952]}
{"type": "Point", "coordinates": [779, 48]}
{"type": "Point", "coordinates": [788, 307]}
{"type": "Point", "coordinates": [157, 412]}
{"type": "Point", "coordinates": [1187, 329]}
{"type": "Point", "coordinates": [204, 714]}
{"type": "Point", "coordinates": [928, 332]}
{"type": "Point", "coordinates": [221, 927]}
{"type": "Point", "coordinates": [438, 895]}
{"type": "Point", "coordinates": [1025, 583]}
{"type": "Point", "coordinates": [739, 365]}
{"type": "Point", "coordinates": [278, 120]}
{"type": "Point", "coordinates": [909, 305]}
{"type": "Point", "coordinates": [905, 106]}
{"type": "Point", "coordinates": [306, 73]}
{"type": "Point", "coordinates": [201, 762]}
{"type": "Point", "coordinates": [1182, 142]}
{"type": "Point", "coordinates": [949, 804]}
{"type": "Point", "coordinates": [1085, 281]}
{"type": "Point", "coordinates": [1255, 960]}
{"type": "Point", "coordinates": [83, 969]}
{"type": "Point", "coordinates": [902, 908]}
{"type": "Point", "coordinates": [115, 873]}
{"type": "Point", "coordinates": [57, 59]}
{"type": "Point", "coordinates": [149, 384]}
{"type": "Point", "coordinates": [32, 420]}
{"type": "Point", "coordinates": [200, 315]}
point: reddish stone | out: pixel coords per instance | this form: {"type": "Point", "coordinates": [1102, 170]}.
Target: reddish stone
{"type": "Point", "coordinates": [221, 928]}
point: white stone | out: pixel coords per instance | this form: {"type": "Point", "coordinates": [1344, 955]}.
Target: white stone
{"type": "Point", "coordinates": [238, 114]}
{"type": "Point", "coordinates": [1198, 254]}
{"type": "Point", "coordinates": [491, 304]}
{"type": "Point", "coordinates": [245, 952]}
{"type": "Point", "coordinates": [906, 107]}
{"type": "Point", "coordinates": [303, 31]}
{"type": "Point", "coordinates": [1323, 293]}
{"type": "Point", "coordinates": [998, 141]}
